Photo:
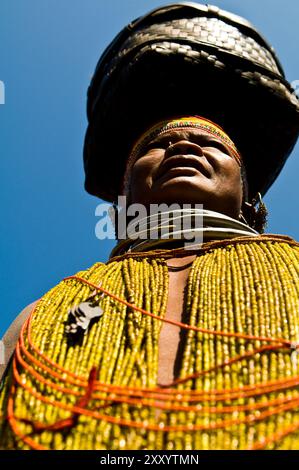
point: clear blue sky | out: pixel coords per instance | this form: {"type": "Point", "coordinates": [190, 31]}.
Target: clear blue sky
{"type": "Point", "coordinates": [49, 49]}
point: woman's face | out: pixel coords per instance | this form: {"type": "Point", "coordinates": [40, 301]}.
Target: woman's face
{"type": "Point", "coordinates": [187, 166]}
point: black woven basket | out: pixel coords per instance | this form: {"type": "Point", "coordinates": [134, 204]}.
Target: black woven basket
{"type": "Point", "coordinates": [187, 58]}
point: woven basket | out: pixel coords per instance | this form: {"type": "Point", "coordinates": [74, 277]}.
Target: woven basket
{"type": "Point", "coordinates": [189, 59]}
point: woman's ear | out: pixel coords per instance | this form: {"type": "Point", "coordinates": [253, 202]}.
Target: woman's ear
{"type": "Point", "coordinates": [255, 218]}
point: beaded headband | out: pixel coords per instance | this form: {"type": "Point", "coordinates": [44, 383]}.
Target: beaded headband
{"type": "Point", "coordinates": [184, 122]}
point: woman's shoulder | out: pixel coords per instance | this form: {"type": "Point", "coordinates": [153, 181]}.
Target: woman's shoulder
{"type": "Point", "coordinates": [276, 241]}
{"type": "Point", "coordinates": [284, 242]}
{"type": "Point", "coordinates": [280, 237]}
{"type": "Point", "coordinates": [10, 338]}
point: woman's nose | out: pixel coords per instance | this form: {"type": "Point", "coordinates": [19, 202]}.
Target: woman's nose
{"type": "Point", "coordinates": [183, 147]}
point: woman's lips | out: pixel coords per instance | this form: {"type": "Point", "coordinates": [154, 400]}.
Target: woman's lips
{"type": "Point", "coordinates": [182, 164]}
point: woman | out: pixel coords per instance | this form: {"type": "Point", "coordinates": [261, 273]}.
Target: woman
{"type": "Point", "coordinates": [180, 349]}
{"type": "Point", "coordinates": [167, 345]}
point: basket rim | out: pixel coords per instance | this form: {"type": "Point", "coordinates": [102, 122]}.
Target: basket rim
{"type": "Point", "coordinates": [220, 53]}
{"type": "Point", "coordinates": [179, 7]}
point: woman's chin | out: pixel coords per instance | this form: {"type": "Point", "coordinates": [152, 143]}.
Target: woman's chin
{"type": "Point", "coordinates": [183, 189]}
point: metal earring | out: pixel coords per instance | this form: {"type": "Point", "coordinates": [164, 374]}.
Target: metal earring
{"type": "Point", "coordinates": [242, 218]}
{"type": "Point", "coordinates": [256, 218]}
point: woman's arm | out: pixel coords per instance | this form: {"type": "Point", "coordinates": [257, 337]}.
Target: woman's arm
{"type": "Point", "coordinates": [11, 336]}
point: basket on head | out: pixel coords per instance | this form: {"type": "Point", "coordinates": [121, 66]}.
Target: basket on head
{"type": "Point", "coordinates": [185, 59]}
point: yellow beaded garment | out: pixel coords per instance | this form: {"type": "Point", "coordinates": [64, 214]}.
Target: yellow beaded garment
{"type": "Point", "coordinates": [238, 382]}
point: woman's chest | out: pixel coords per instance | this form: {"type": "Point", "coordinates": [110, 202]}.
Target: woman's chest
{"type": "Point", "coordinates": [171, 337]}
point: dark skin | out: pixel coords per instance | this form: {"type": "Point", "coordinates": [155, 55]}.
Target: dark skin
{"type": "Point", "coordinates": [184, 166]}
{"type": "Point", "coordinates": [188, 166]}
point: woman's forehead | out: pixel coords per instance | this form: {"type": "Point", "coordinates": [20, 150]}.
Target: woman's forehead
{"type": "Point", "coordinates": [184, 134]}
{"type": "Point", "coordinates": [196, 130]}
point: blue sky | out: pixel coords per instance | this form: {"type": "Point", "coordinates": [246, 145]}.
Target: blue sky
{"type": "Point", "coordinates": [49, 49]}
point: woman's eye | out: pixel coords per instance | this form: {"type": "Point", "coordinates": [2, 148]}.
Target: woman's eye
{"type": "Point", "coordinates": [218, 146]}
{"type": "Point", "coordinates": [149, 147]}
{"type": "Point", "coordinates": [157, 145]}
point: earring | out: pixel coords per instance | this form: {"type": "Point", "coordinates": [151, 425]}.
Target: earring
{"type": "Point", "coordinates": [256, 218]}
{"type": "Point", "coordinates": [242, 218]}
